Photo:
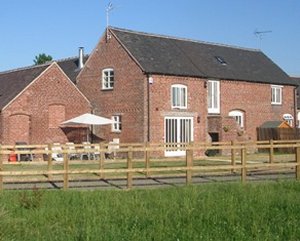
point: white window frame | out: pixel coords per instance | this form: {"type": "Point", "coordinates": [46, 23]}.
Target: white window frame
{"type": "Point", "coordinates": [238, 116]}
{"type": "Point", "coordinates": [179, 96]}
{"type": "Point", "coordinates": [213, 96]}
{"type": "Point", "coordinates": [108, 79]}
{"type": "Point", "coordinates": [117, 125]}
{"type": "Point", "coordinates": [276, 94]}
{"type": "Point", "coordinates": [177, 131]}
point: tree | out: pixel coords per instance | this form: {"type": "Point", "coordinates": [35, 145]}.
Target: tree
{"type": "Point", "coordinates": [42, 58]}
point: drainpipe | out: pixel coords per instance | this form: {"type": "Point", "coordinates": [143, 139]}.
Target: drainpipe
{"type": "Point", "coordinates": [1, 130]}
{"type": "Point", "coordinates": [296, 108]}
{"type": "Point", "coordinates": [149, 81]}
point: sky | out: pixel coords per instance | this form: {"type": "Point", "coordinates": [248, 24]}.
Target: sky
{"type": "Point", "coordinates": [59, 27]}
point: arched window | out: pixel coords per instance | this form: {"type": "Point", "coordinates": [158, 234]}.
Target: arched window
{"type": "Point", "coordinates": [107, 79]}
{"type": "Point", "coordinates": [238, 116]}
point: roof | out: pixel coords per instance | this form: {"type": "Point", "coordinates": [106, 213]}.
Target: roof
{"type": "Point", "coordinates": [70, 66]}
{"type": "Point", "coordinates": [275, 124]}
{"type": "Point", "coordinates": [12, 82]}
{"type": "Point", "coordinates": [158, 54]}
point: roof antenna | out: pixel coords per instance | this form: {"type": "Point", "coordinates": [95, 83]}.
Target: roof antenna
{"type": "Point", "coordinates": [260, 34]}
{"type": "Point", "coordinates": [109, 8]}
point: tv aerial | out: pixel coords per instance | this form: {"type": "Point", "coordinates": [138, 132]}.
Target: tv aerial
{"type": "Point", "coordinates": [108, 9]}
{"type": "Point", "coordinates": [260, 34]}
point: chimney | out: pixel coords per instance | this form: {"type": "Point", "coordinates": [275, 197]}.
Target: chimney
{"type": "Point", "coordinates": [80, 59]}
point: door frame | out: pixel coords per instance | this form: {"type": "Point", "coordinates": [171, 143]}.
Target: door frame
{"type": "Point", "coordinates": [179, 151]}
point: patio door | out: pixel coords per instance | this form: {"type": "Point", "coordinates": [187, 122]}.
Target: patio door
{"type": "Point", "coordinates": [178, 132]}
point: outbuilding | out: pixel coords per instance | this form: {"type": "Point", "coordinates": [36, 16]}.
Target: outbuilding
{"type": "Point", "coordinates": [35, 100]}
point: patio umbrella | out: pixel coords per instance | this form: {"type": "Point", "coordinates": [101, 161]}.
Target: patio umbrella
{"type": "Point", "coordinates": [88, 119]}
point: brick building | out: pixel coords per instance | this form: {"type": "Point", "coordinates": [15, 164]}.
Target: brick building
{"type": "Point", "coordinates": [165, 89]}
{"type": "Point", "coordinates": [297, 81]}
{"type": "Point", "coordinates": [35, 100]}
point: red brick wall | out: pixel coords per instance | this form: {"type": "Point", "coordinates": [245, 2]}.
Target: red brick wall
{"type": "Point", "coordinates": [129, 98]}
{"type": "Point", "coordinates": [126, 98]}
{"type": "Point", "coordinates": [254, 100]}
{"type": "Point", "coordinates": [161, 106]}
{"type": "Point", "coordinates": [50, 88]}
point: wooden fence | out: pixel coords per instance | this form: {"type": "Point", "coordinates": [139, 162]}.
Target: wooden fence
{"type": "Point", "coordinates": [99, 167]}
{"type": "Point", "coordinates": [278, 133]}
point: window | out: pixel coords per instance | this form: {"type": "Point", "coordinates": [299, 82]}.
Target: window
{"type": "Point", "coordinates": [276, 98]}
{"type": "Point", "coordinates": [238, 116]}
{"type": "Point", "coordinates": [107, 79]}
{"type": "Point", "coordinates": [179, 96]}
{"type": "Point", "coordinates": [178, 130]}
{"type": "Point", "coordinates": [213, 100]}
{"type": "Point", "coordinates": [220, 60]}
{"type": "Point", "coordinates": [117, 126]}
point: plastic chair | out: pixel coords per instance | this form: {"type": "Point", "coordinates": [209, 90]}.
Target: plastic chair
{"type": "Point", "coordinates": [72, 151]}
{"type": "Point", "coordinates": [57, 152]}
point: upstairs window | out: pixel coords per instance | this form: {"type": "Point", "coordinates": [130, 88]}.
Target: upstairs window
{"type": "Point", "coordinates": [238, 116]}
{"type": "Point", "coordinates": [213, 96]}
{"type": "Point", "coordinates": [220, 60]}
{"type": "Point", "coordinates": [108, 79]}
{"type": "Point", "coordinates": [117, 125]}
{"type": "Point", "coordinates": [179, 96]}
{"type": "Point", "coordinates": [276, 95]}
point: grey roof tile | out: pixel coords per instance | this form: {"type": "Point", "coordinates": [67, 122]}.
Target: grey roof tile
{"type": "Point", "coordinates": [14, 81]}
{"type": "Point", "coordinates": [173, 56]}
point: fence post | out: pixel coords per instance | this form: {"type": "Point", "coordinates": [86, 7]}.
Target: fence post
{"type": "Point", "coordinates": [244, 162]}
{"type": "Point", "coordinates": [129, 168]}
{"type": "Point", "coordinates": [101, 160]}
{"type": "Point", "coordinates": [49, 157]}
{"type": "Point", "coordinates": [66, 169]}
{"type": "Point", "coordinates": [1, 168]}
{"type": "Point", "coordinates": [298, 163]}
{"type": "Point", "coordinates": [233, 156]}
{"type": "Point", "coordinates": [189, 163]}
{"type": "Point", "coordinates": [271, 152]}
{"type": "Point", "coordinates": [147, 159]}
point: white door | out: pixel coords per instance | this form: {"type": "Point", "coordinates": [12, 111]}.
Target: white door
{"type": "Point", "coordinates": [177, 130]}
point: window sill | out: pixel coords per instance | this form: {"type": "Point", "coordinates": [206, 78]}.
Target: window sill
{"type": "Point", "coordinates": [213, 114]}
{"type": "Point", "coordinates": [179, 108]}
{"type": "Point", "coordinates": [117, 132]}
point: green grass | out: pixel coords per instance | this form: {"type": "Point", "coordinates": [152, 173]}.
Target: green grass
{"type": "Point", "coordinates": [256, 211]}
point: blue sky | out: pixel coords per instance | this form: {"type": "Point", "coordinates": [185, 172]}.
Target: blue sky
{"type": "Point", "coordinates": [59, 27]}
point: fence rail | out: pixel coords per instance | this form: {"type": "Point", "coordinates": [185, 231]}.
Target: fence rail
{"type": "Point", "coordinates": [146, 164]}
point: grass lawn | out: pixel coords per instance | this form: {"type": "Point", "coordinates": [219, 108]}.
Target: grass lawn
{"type": "Point", "coordinates": [254, 211]}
